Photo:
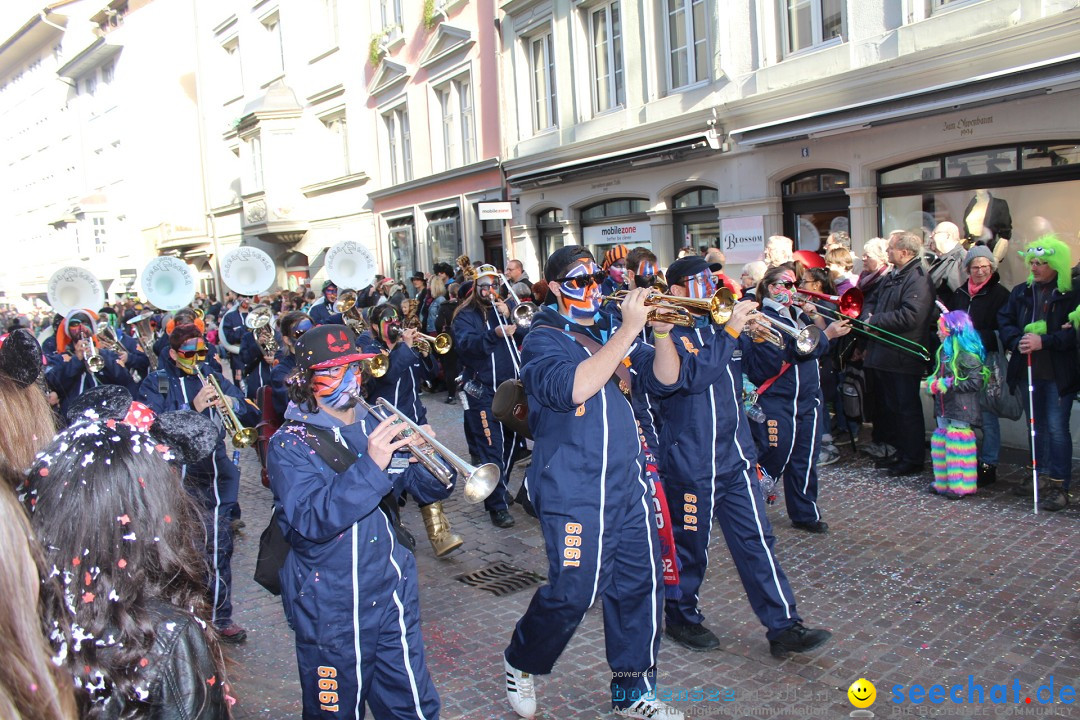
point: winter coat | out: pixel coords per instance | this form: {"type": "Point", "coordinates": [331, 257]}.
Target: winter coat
{"type": "Point", "coordinates": [983, 308]}
{"type": "Point", "coordinates": [1058, 343]}
{"type": "Point", "coordinates": [961, 400]}
{"type": "Point", "coordinates": [902, 306]}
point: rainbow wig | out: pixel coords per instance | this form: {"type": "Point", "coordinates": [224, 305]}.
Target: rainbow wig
{"type": "Point", "coordinates": [960, 337]}
{"type": "Point", "coordinates": [1054, 253]}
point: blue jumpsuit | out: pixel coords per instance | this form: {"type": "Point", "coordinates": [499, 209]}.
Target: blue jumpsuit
{"type": "Point", "coordinates": [323, 314]}
{"type": "Point", "coordinates": [707, 463]}
{"type": "Point", "coordinates": [278, 375]}
{"type": "Point", "coordinates": [400, 386]}
{"type": "Point", "coordinates": [213, 481]}
{"type": "Point", "coordinates": [137, 362]}
{"type": "Point", "coordinates": [68, 376]}
{"type": "Point", "coordinates": [789, 439]}
{"type": "Point", "coordinates": [587, 483]}
{"type": "Point", "coordinates": [486, 358]}
{"type": "Point", "coordinates": [251, 356]}
{"type": "Point", "coordinates": [349, 590]}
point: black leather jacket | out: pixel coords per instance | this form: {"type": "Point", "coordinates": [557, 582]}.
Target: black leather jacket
{"type": "Point", "coordinates": [901, 306]}
{"type": "Point", "coordinates": [178, 673]}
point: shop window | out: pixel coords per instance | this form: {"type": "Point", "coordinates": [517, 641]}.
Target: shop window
{"type": "Point", "coordinates": [698, 197]}
{"type": "Point", "coordinates": [1035, 157]}
{"type": "Point", "coordinates": [614, 208]}
{"type": "Point", "coordinates": [687, 42]}
{"type": "Point", "coordinates": [402, 248]}
{"type": "Point", "coordinates": [982, 162]}
{"type": "Point", "coordinates": [1055, 156]}
{"type": "Point", "coordinates": [815, 205]}
{"type": "Point", "coordinates": [811, 23]}
{"type": "Point", "coordinates": [549, 226]}
{"type": "Point", "coordinates": [444, 236]}
{"type": "Point", "coordinates": [814, 182]}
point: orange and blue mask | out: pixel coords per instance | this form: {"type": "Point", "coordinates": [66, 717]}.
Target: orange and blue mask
{"type": "Point", "coordinates": [580, 289]}
{"type": "Point", "coordinates": [645, 275]}
{"type": "Point", "coordinates": [337, 386]}
{"type": "Point", "coordinates": [702, 285]}
{"type": "Point", "coordinates": [190, 354]}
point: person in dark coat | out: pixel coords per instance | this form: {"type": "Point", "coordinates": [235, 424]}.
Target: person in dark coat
{"type": "Point", "coordinates": [293, 325]}
{"type": "Point", "coordinates": [322, 313]}
{"type": "Point", "coordinates": [902, 307]}
{"type": "Point", "coordinates": [66, 370]}
{"type": "Point", "coordinates": [982, 297]}
{"type": "Point", "coordinates": [947, 271]}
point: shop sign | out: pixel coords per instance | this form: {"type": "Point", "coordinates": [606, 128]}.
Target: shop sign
{"type": "Point", "coordinates": [965, 125]}
{"type": "Point", "coordinates": [743, 238]}
{"type": "Point", "coordinates": [495, 211]}
{"type": "Point", "coordinates": [634, 233]}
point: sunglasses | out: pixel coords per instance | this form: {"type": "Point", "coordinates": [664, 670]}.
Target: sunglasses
{"type": "Point", "coordinates": [188, 354]}
{"type": "Point", "coordinates": [645, 280]}
{"type": "Point", "coordinates": [785, 283]}
{"type": "Point", "coordinates": [581, 281]}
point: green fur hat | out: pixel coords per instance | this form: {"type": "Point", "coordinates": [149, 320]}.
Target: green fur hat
{"type": "Point", "coordinates": [1056, 254]}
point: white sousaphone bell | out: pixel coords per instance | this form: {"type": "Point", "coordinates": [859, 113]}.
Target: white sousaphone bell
{"type": "Point", "coordinates": [247, 271]}
{"type": "Point", "coordinates": [350, 265]}
{"type": "Point", "coordinates": [168, 283]}
{"type": "Point", "coordinates": [74, 288]}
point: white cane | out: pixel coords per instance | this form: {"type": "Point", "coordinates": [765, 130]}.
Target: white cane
{"type": "Point", "coordinates": [1031, 422]}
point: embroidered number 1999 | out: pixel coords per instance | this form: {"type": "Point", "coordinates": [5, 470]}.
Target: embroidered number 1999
{"type": "Point", "coordinates": [328, 686]}
{"type": "Point", "coordinates": [572, 551]}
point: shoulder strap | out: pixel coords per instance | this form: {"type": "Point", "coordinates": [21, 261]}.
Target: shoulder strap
{"type": "Point", "coordinates": [768, 383]}
{"type": "Point", "coordinates": [622, 373]}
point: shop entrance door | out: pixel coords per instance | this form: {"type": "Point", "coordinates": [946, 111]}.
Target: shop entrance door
{"type": "Point", "coordinates": [815, 205]}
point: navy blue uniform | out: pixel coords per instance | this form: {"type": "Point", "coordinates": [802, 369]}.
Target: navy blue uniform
{"type": "Point", "coordinates": [278, 376]}
{"type": "Point", "coordinates": [137, 361]}
{"type": "Point", "coordinates": [68, 376]}
{"type": "Point", "coordinates": [256, 370]}
{"type": "Point", "coordinates": [349, 590]}
{"type": "Point", "coordinates": [587, 482]}
{"type": "Point", "coordinates": [323, 314]}
{"type": "Point", "coordinates": [214, 481]}
{"type": "Point", "coordinates": [789, 439]}
{"type": "Point", "coordinates": [707, 463]}
{"type": "Point", "coordinates": [400, 386]}
{"type": "Point", "coordinates": [486, 360]}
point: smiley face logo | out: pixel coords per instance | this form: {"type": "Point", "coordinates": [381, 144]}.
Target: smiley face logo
{"type": "Point", "coordinates": [862, 693]}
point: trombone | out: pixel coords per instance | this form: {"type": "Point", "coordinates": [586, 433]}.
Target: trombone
{"type": "Point", "coordinates": [350, 313]}
{"type": "Point", "coordinates": [850, 307]}
{"type": "Point", "coordinates": [806, 339]}
{"type": "Point", "coordinates": [242, 437]}
{"type": "Point", "coordinates": [436, 457]}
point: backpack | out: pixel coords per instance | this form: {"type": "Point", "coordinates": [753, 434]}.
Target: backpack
{"type": "Point", "coordinates": [853, 392]}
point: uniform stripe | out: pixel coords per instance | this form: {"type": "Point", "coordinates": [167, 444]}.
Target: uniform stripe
{"type": "Point", "coordinates": [401, 624]}
{"type": "Point", "coordinates": [712, 478]}
{"type": "Point", "coordinates": [358, 709]}
{"type": "Point", "coordinates": [217, 522]}
{"type": "Point", "coordinates": [646, 506]}
{"type": "Point", "coordinates": [748, 484]}
{"type": "Point", "coordinates": [603, 491]}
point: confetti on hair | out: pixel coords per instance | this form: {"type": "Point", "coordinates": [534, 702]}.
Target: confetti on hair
{"type": "Point", "coordinates": [123, 519]}
{"type": "Point", "coordinates": [130, 537]}
{"type": "Point", "coordinates": [88, 597]}
{"type": "Point", "coordinates": [121, 563]}
{"type": "Point", "coordinates": [168, 518]}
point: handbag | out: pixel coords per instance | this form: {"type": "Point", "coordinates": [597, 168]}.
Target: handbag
{"type": "Point", "coordinates": [273, 549]}
{"type": "Point", "coordinates": [997, 397]}
{"type": "Point", "coordinates": [510, 406]}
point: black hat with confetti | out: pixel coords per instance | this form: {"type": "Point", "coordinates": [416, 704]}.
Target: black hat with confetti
{"type": "Point", "coordinates": [20, 357]}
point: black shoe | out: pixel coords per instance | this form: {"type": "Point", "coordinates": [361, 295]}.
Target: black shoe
{"type": "Point", "coordinates": [693, 637]}
{"type": "Point", "coordinates": [887, 461]}
{"type": "Point", "coordinates": [450, 400]}
{"type": "Point", "coordinates": [232, 634]}
{"type": "Point", "coordinates": [501, 518]}
{"type": "Point", "coordinates": [798, 638]}
{"type": "Point", "coordinates": [987, 475]}
{"type": "Point", "coordinates": [817, 526]}
{"type": "Point", "coordinates": [904, 469]}
{"type": "Point", "coordinates": [1055, 498]}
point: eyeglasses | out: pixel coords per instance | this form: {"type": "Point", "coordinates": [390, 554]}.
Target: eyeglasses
{"type": "Point", "coordinates": [188, 354]}
{"type": "Point", "coordinates": [973, 268]}
{"type": "Point", "coordinates": [581, 281]}
{"type": "Point", "coordinates": [1038, 263]}
{"type": "Point", "coordinates": [785, 283]}
{"type": "Point", "coordinates": [485, 286]}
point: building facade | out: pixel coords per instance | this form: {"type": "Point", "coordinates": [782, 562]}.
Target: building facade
{"type": "Point", "coordinates": [703, 123]}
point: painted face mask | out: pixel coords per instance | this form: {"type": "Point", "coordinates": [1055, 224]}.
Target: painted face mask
{"type": "Point", "coordinates": [783, 291]}
{"type": "Point", "coordinates": [617, 272]}
{"type": "Point", "coordinates": [390, 329]}
{"type": "Point", "coordinates": [337, 386]}
{"type": "Point", "coordinates": [702, 285]}
{"type": "Point", "coordinates": [645, 275]}
{"type": "Point", "coordinates": [580, 291]}
{"type": "Point", "coordinates": [190, 354]}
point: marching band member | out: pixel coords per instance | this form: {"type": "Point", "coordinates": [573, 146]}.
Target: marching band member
{"type": "Point", "coordinates": [67, 372]}
{"type": "Point", "coordinates": [336, 473]}
{"type": "Point", "coordinates": [185, 316]}
{"type": "Point", "coordinates": [138, 362]}
{"type": "Point", "coordinates": [485, 339]}
{"type": "Point", "coordinates": [322, 310]}
{"type": "Point", "coordinates": [257, 363]}
{"type": "Point", "coordinates": [788, 441]}
{"type": "Point", "coordinates": [293, 325]}
{"type": "Point", "coordinates": [588, 486]}
{"type": "Point", "coordinates": [233, 326]}
{"type": "Point", "coordinates": [707, 461]}
{"type": "Point", "coordinates": [400, 386]}
{"type": "Point", "coordinates": [214, 481]}
{"type": "Point", "coordinates": [615, 264]}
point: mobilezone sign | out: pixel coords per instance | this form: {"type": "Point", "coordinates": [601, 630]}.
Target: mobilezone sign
{"type": "Point", "coordinates": [617, 233]}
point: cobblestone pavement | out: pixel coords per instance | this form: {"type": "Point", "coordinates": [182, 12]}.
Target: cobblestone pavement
{"type": "Point", "coordinates": [916, 589]}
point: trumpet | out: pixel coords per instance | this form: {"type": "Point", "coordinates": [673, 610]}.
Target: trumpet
{"type": "Point", "coordinates": [350, 313]}
{"type": "Point", "coordinates": [806, 339]}
{"type": "Point", "coordinates": [142, 329]}
{"type": "Point", "coordinates": [376, 366]}
{"type": "Point", "coordinates": [108, 339]}
{"type": "Point", "coordinates": [242, 437]}
{"type": "Point", "coordinates": [684, 311]}
{"type": "Point", "coordinates": [523, 312]}
{"type": "Point", "coordinates": [261, 323]}
{"type": "Point", "coordinates": [95, 363]}
{"type": "Point", "coordinates": [441, 343]}
{"type": "Point", "coordinates": [436, 457]}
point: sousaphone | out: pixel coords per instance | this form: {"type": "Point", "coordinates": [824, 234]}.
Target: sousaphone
{"type": "Point", "coordinates": [248, 271]}
{"type": "Point", "coordinates": [168, 283]}
{"type": "Point", "coordinates": [74, 288]}
{"type": "Point", "coordinates": [350, 265]}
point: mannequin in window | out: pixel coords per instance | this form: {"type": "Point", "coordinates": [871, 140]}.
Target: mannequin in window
{"type": "Point", "coordinates": [987, 222]}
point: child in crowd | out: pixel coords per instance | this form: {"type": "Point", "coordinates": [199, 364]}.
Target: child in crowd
{"type": "Point", "coordinates": [956, 383]}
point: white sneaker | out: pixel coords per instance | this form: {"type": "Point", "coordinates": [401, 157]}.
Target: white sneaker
{"type": "Point", "coordinates": [828, 455]}
{"type": "Point", "coordinates": [521, 693]}
{"type": "Point", "coordinates": [649, 710]}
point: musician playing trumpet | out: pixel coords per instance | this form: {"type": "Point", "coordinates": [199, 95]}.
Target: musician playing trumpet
{"type": "Point", "coordinates": [349, 586]}
{"type": "Point", "coordinates": [67, 371]}
{"type": "Point", "coordinates": [214, 481]}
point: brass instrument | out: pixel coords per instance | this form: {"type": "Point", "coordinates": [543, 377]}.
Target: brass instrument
{"type": "Point", "coordinates": [436, 457]}
{"type": "Point", "coordinates": [146, 338]}
{"type": "Point", "coordinates": [806, 339]}
{"type": "Point", "coordinates": [441, 343]}
{"type": "Point", "coordinates": [94, 362]}
{"type": "Point", "coordinates": [350, 313]}
{"type": "Point", "coordinates": [467, 270]}
{"type": "Point", "coordinates": [376, 366]}
{"type": "Point", "coordinates": [260, 320]}
{"type": "Point", "coordinates": [684, 311]}
{"type": "Point", "coordinates": [242, 437]}
{"type": "Point", "coordinates": [850, 307]}
{"type": "Point", "coordinates": [523, 312]}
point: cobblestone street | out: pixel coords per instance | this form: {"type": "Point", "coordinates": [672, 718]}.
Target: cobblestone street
{"type": "Point", "coordinates": [916, 589]}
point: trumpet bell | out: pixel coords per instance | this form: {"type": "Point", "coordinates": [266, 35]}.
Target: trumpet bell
{"type": "Point", "coordinates": [481, 482]}
{"type": "Point", "coordinates": [73, 288]}
{"type": "Point", "coordinates": [247, 271]}
{"type": "Point", "coordinates": [377, 366]}
{"type": "Point", "coordinates": [95, 363]}
{"type": "Point", "coordinates": [523, 314]}
{"type": "Point", "coordinates": [260, 316]}
{"type": "Point", "coordinates": [350, 265]}
{"type": "Point", "coordinates": [245, 437]}
{"type": "Point", "coordinates": [168, 283]}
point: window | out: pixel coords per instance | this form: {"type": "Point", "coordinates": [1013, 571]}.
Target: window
{"type": "Point", "coordinates": [89, 85]}
{"type": "Point", "coordinates": [458, 124]}
{"type": "Point", "coordinates": [542, 69]}
{"type": "Point", "coordinates": [444, 236]}
{"type": "Point", "coordinates": [608, 82]}
{"type": "Point", "coordinates": [255, 146]}
{"type": "Point", "coordinates": [108, 72]}
{"type": "Point", "coordinates": [99, 235]}
{"type": "Point", "coordinates": [688, 42]}
{"type": "Point", "coordinates": [615, 208]}
{"type": "Point", "coordinates": [330, 22]}
{"type": "Point", "coordinates": [391, 13]}
{"type": "Point", "coordinates": [275, 53]}
{"type": "Point", "coordinates": [402, 247]}
{"type": "Point", "coordinates": [698, 197]}
{"type": "Point", "coordinates": [396, 122]}
{"type": "Point", "coordinates": [338, 148]}
{"type": "Point", "coordinates": [812, 22]}
{"type": "Point", "coordinates": [233, 75]}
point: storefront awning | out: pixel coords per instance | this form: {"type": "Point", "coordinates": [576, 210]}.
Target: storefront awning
{"type": "Point", "coordinates": [1042, 78]}
{"type": "Point", "coordinates": [660, 151]}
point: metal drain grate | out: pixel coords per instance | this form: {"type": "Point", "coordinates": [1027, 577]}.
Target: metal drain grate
{"type": "Point", "coordinates": [501, 579]}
